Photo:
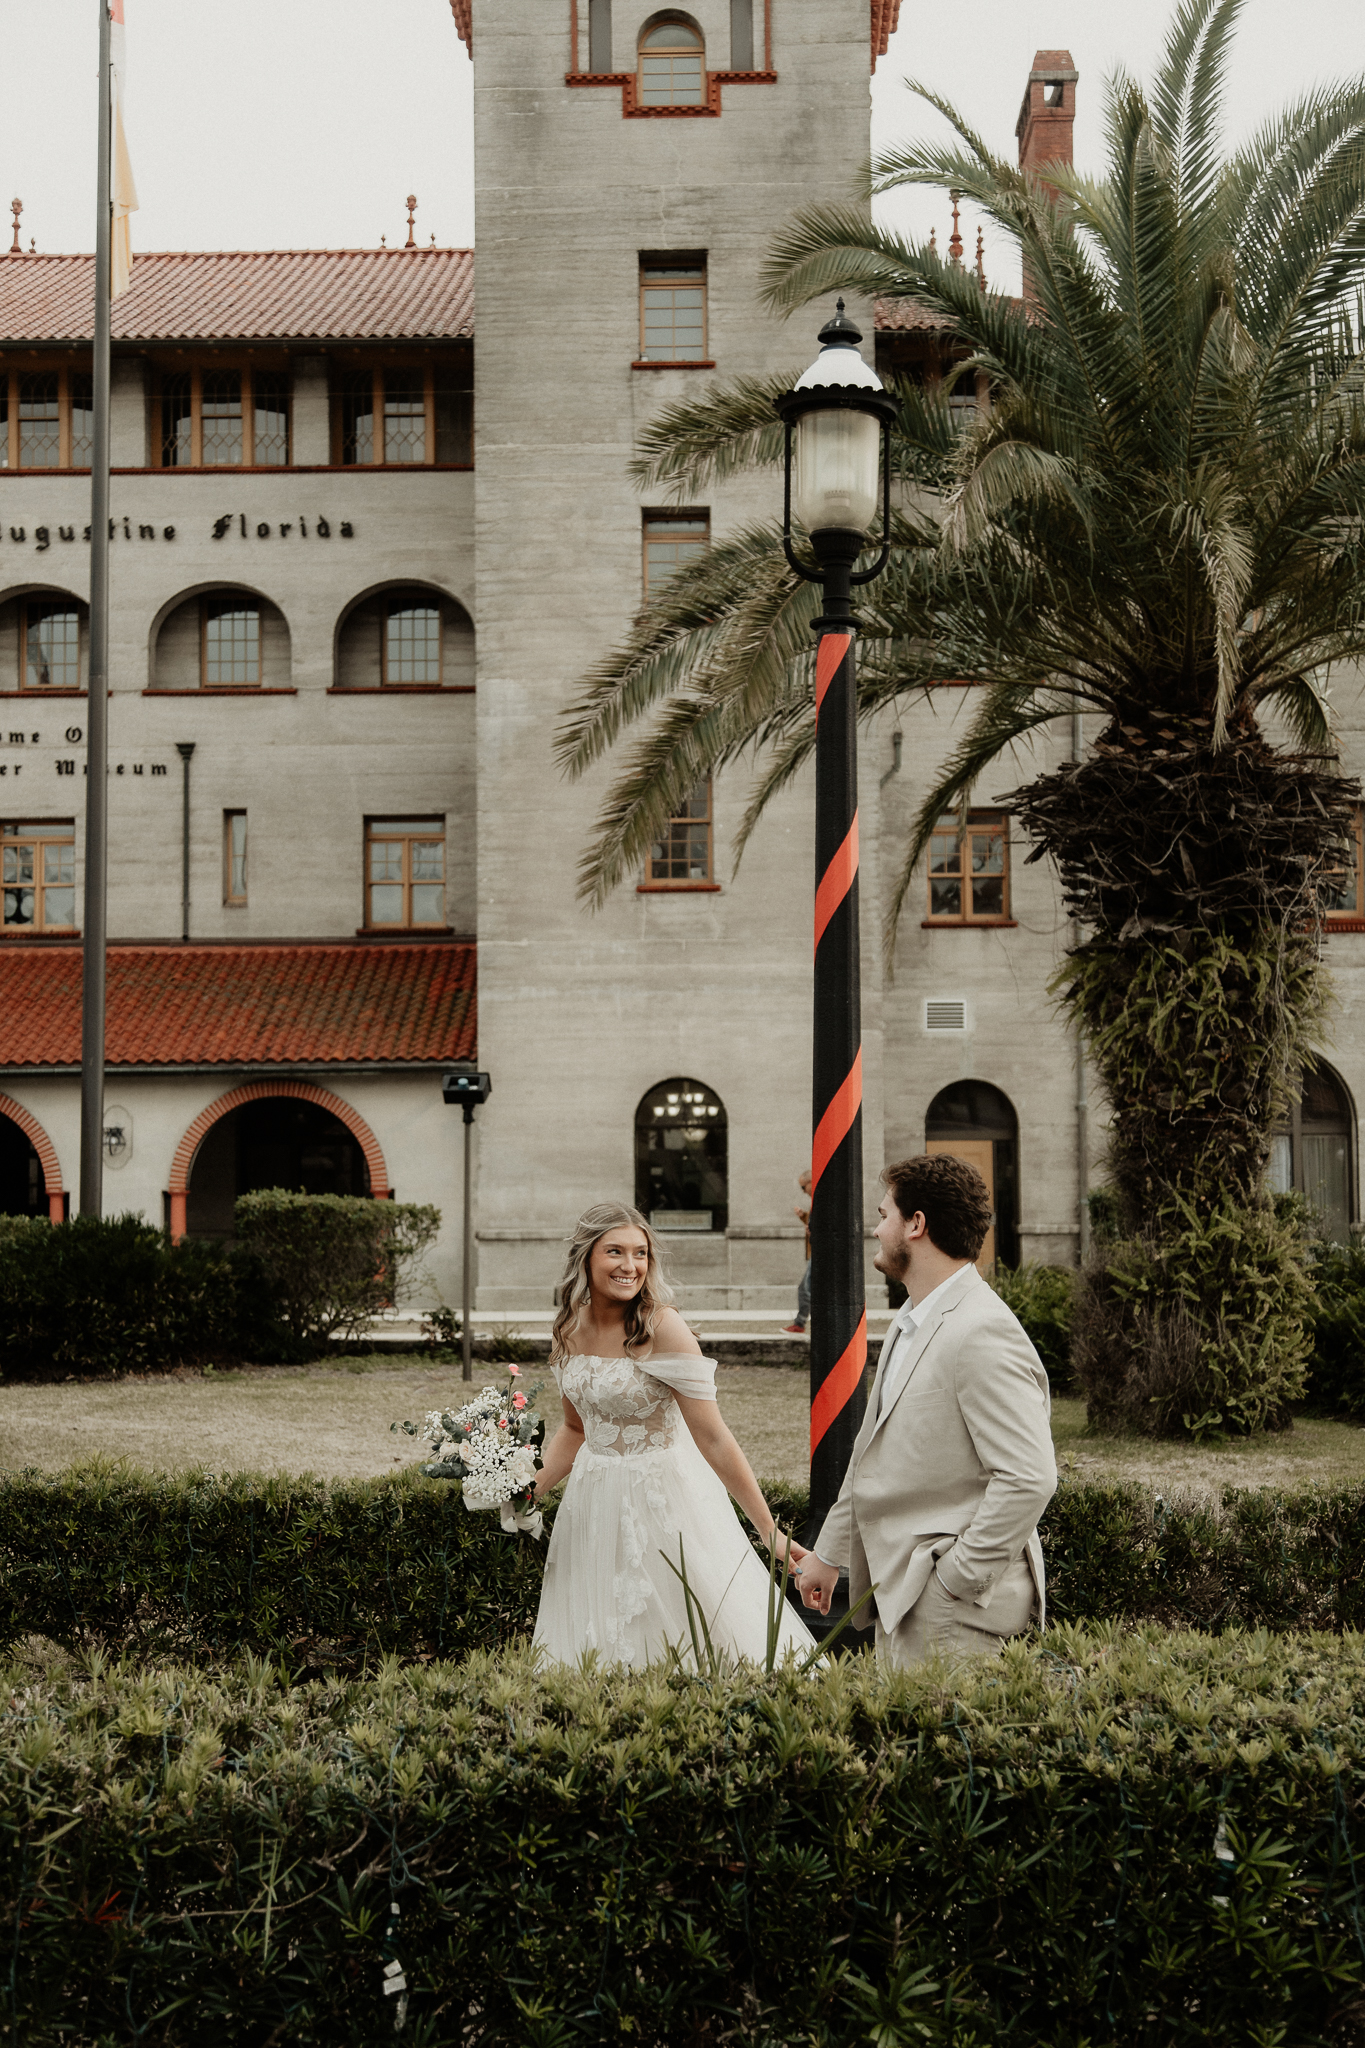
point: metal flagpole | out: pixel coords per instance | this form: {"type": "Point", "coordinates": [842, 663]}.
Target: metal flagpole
{"type": "Point", "coordinates": [97, 707]}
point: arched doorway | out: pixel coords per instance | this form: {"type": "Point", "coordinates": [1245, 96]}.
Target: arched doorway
{"type": "Point", "coordinates": [681, 1157]}
{"type": "Point", "coordinates": [274, 1142]}
{"type": "Point", "coordinates": [1313, 1152]}
{"type": "Point", "coordinates": [23, 1191]}
{"type": "Point", "coordinates": [975, 1121]}
{"type": "Point", "coordinates": [30, 1177]}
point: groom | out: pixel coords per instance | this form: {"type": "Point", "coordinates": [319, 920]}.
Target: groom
{"type": "Point", "coordinates": [953, 1464]}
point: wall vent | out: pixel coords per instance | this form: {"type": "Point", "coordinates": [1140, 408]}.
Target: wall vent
{"type": "Point", "coordinates": [945, 1016]}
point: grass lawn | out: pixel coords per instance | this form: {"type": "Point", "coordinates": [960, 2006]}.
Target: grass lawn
{"type": "Point", "coordinates": [335, 1422]}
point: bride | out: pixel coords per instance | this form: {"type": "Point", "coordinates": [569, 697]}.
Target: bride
{"type": "Point", "coordinates": [649, 1463]}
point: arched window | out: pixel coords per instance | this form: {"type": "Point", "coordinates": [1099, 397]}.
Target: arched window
{"type": "Point", "coordinates": [672, 64]}
{"type": "Point", "coordinates": [222, 640]}
{"type": "Point", "coordinates": [409, 637]}
{"type": "Point", "coordinates": [50, 629]}
{"type": "Point", "coordinates": [1312, 1152]}
{"type": "Point", "coordinates": [23, 1190]}
{"type": "Point", "coordinates": [681, 1176]}
{"type": "Point", "coordinates": [974, 1121]}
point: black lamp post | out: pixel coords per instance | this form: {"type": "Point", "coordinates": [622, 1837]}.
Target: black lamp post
{"type": "Point", "coordinates": [838, 422]}
{"type": "Point", "coordinates": [468, 1088]}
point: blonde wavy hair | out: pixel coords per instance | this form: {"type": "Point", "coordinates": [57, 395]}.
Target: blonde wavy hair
{"type": "Point", "coordinates": [575, 1293]}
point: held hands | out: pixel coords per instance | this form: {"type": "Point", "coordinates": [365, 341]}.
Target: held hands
{"type": "Point", "coordinates": [818, 1581]}
{"type": "Point", "coordinates": [786, 1547]}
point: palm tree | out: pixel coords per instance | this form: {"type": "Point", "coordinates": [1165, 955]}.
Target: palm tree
{"type": "Point", "coordinates": [1160, 518]}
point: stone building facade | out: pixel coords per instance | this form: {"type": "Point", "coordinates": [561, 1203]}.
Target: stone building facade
{"type": "Point", "coordinates": [341, 650]}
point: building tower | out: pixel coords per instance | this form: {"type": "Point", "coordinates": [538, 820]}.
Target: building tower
{"type": "Point", "coordinates": [632, 167]}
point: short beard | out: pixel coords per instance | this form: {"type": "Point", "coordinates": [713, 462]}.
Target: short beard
{"type": "Point", "coordinates": [896, 1271]}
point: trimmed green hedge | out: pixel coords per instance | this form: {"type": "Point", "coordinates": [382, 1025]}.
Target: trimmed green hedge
{"type": "Point", "coordinates": [1103, 1843]}
{"type": "Point", "coordinates": [329, 1571]}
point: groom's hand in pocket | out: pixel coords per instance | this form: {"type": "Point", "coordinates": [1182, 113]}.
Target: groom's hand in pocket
{"type": "Point", "coordinates": [818, 1581]}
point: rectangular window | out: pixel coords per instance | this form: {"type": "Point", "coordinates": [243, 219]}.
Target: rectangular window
{"type": "Point", "coordinates": [231, 656]}
{"type": "Point", "coordinates": [234, 857]}
{"type": "Point", "coordinates": [405, 869]}
{"type": "Point", "coordinates": [45, 419]}
{"type": "Point", "coordinates": [683, 854]}
{"type": "Point", "coordinates": [39, 863]}
{"type": "Point", "coordinates": [220, 416]}
{"type": "Point", "coordinates": [1343, 893]}
{"type": "Point", "coordinates": [404, 414]}
{"type": "Point", "coordinates": [671, 540]}
{"type": "Point", "coordinates": [52, 646]}
{"type": "Point", "coordinates": [672, 309]}
{"type": "Point", "coordinates": [412, 642]}
{"type": "Point", "coordinates": [969, 869]}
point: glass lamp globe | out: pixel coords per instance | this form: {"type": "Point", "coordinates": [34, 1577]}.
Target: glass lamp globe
{"type": "Point", "coordinates": [836, 446]}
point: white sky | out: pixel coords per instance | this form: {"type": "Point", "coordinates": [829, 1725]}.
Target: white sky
{"type": "Point", "coordinates": [303, 123]}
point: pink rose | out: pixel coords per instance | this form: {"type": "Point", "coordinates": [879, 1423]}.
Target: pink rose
{"type": "Point", "coordinates": [518, 1400]}
{"type": "Point", "coordinates": [515, 1371]}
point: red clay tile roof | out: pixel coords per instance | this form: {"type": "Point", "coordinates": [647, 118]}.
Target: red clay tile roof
{"type": "Point", "coordinates": [234, 295]}
{"type": "Point", "coordinates": [907, 316]}
{"type": "Point", "coordinates": [243, 1005]}
{"type": "Point", "coordinates": [885, 15]}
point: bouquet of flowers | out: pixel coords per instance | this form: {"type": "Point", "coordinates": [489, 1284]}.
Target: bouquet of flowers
{"type": "Point", "coordinates": [492, 1445]}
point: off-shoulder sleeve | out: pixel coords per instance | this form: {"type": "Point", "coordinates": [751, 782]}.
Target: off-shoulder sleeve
{"type": "Point", "coordinates": [692, 1377]}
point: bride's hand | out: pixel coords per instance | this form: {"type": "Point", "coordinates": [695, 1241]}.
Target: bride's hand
{"type": "Point", "coordinates": [787, 1547]}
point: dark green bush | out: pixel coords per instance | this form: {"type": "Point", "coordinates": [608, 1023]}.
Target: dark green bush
{"type": "Point", "coordinates": [328, 1572]}
{"type": "Point", "coordinates": [94, 1298]}
{"type": "Point", "coordinates": [1100, 1843]}
{"type": "Point", "coordinates": [1041, 1297]}
{"type": "Point", "coordinates": [1336, 1371]}
{"type": "Point", "coordinates": [333, 1262]}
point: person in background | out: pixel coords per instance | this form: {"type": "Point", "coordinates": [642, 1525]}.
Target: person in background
{"type": "Point", "coordinates": [802, 1209]}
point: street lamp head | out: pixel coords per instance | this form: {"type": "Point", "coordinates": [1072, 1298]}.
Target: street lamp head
{"type": "Point", "coordinates": [837, 415]}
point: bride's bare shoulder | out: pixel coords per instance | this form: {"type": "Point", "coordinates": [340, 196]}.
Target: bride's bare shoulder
{"type": "Point", "coordinates": [672, 1335]}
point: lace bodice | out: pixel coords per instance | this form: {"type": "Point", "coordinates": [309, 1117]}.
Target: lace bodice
{"type": "Point", "coordinates": [626, 1409]}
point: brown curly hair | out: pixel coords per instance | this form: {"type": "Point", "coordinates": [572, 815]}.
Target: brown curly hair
{"type": "Point", "coordinates": [950, 1195]}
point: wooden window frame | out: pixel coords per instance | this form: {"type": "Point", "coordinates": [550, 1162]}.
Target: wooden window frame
{"type": "Point", "coordinates": [23, 687]}
{"type": "Point", "coordinates": [690, 271]}
{"type": "Point", "coordinates": [1352, 920]}
{"type": "Point", "coordinates": [11, 376]}
{"type": "Point", "coordinates": [250, 601]}
{"type": "Point", "coordinates": [695, 47]}
{"type": "Point", "coordinates": [233, 901]}
{"type": "Point", "coordinates": [55, 832]}
{"type": "Point", "coordinates": [246, 367]}
{"type": "Point", "coordinates": [436, 606]}
{"type": "Point", "coordinates": [433, 828]}
{"type": "Point", "coordinates": [378, 457]}
{"type": "Point", "coordinates": [998, 824]}
{"type": "Point", "coordinates": [664, 884]}
{"type": "Point", "coordinates": [672, 517]}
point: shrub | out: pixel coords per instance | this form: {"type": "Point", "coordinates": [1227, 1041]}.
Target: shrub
{"type": "Point", "coordinates": [1151, 1843]}
{"type": "Point", "coordinates": [328, 1572]}
{"type": "Point", "coordinates": [1202, 1329]}
{"type": "Point", "coordinates": [334, 1261]}
{"type": "Point", "coordinates": [1336, 1371]}
{"type": "Point", "coordinates": [98, 1297]}
{"type": "Point", "coordinates": [1042, 1298]}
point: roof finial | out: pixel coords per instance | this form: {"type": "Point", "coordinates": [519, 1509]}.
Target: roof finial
{"type": "Point", "coordinates": [411, 242]}
{"type": "Point", "coordinates": [933, 240]}
{"type": "Point", "coordinates": [955, 246]}
{"type": "Point", "coordinates": [980, 265]}
{"type": "Point", "coordinates": [16, 207]}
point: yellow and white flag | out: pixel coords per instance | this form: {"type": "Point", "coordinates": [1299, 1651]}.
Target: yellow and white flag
{"type": "Point", "coordinates": [123, 190]}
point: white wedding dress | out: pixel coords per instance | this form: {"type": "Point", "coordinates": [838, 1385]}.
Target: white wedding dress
{"type": "Point", "coordinates": [640, 1492]}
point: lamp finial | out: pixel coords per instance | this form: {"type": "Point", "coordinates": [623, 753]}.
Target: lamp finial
{"type": "Point", "coordinates": [840, 331]}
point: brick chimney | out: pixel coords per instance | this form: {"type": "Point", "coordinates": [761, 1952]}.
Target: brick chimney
{"type": "Point", "coordinates": [1048, 114]}
{"type": "Point", "coordinates": [1044, 127]}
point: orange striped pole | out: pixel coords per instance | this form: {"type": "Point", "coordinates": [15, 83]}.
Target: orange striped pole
{"type": "Point", "coordinates": [838, 1327]}
{"type": "Point", "coordinates": [836, 495]}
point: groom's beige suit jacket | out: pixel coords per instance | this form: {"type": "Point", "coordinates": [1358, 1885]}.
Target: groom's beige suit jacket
{"type": "Point", "coordinates": [953, 1464]}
